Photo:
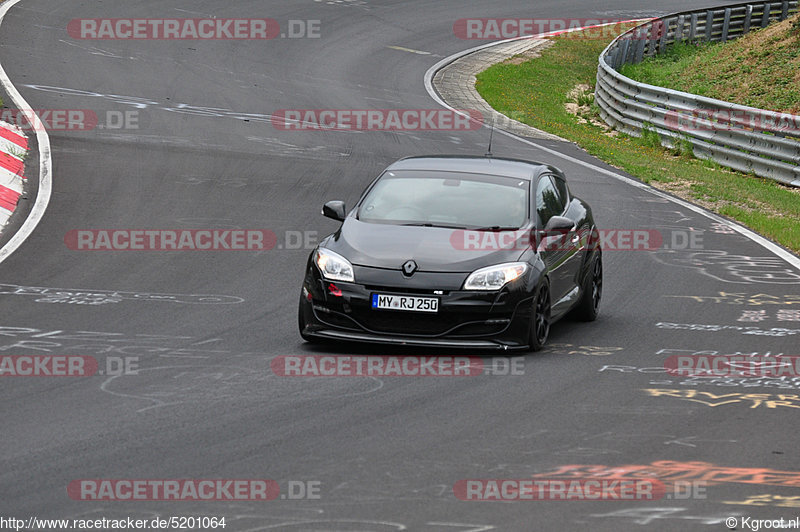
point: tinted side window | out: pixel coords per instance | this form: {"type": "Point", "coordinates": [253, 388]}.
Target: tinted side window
{"type": "Point", "coordinates": [548, 203]}
{"type": "Point", "coordinates": [563, 191]}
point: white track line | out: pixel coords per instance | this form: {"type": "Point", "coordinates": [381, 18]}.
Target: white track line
{"type": "Point", "coordinates": [758, 239]}
{"type": "Point", "coordinates": [45, 162]}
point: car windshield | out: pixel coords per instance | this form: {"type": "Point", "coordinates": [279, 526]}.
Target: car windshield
{"type": "Point", "coordinates": [447, 199]}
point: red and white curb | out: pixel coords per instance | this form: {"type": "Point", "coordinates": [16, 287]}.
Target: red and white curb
{"type": "Point", "coordinates": [45, 167]}
{"type": "Point", "coordinates": [13, 149]}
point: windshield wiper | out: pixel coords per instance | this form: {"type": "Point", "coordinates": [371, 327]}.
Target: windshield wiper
{"type": "Point", "coordinates": [429, 224]}
{"type": "Point", "coordinates": [494, 228]}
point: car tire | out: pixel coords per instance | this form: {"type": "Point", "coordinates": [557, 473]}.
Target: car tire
{"type": "Point", "coordinates": [540, 318]}
{"type": "Point", "coordinates": [589, 305]}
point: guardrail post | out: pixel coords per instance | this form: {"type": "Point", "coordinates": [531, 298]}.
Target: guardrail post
{"type": "Point", "coordinates": [748, 13]}
{"type": "Point", "coordinates": [655, 27]}
{"type": "Point", "coordinates": [765, 15]}
{"type": "Point", "coordinates": [662, 42]}
{"type": "Point", "coordinates": [693, 27]}
{"type": "Point", "coordinates": [623, 52]}
{"type": "Point", "coordinates": [639, 54]}
{"type": "Point", "coordinates": [679, 29]}
{"type": "Point", "coordinates": [725, 25]}
{"type": "Point", "coordinates": [709, 24]}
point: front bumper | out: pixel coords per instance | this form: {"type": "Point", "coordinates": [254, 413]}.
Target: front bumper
{"type": "Point", "coordinates": [465, 319]}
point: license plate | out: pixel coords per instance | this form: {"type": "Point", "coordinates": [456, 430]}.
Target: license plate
{"type": "Point", "coordinates": [410, 303]}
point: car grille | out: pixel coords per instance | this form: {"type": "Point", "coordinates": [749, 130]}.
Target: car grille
{"type": "Point", "coordinates": [414, 324]}
{"type": "Point", "coordinates": [401, 290]}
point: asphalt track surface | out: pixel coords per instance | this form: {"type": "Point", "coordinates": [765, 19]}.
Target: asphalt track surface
{"type": "Point", "coordinates": [387, 452]}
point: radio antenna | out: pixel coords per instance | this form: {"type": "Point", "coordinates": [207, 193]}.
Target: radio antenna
{"type": "Point", "coordinates": [491, 132]}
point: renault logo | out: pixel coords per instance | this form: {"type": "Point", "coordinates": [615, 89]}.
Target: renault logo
{"type": "Point", "coordinates": [409, 267]}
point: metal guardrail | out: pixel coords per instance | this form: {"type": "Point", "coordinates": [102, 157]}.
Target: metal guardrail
{"type": "Point", "coordinates": [766, 143]}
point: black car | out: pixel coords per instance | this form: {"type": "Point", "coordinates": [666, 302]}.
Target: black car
{"type": "Point", "coordinates": [454, 251]}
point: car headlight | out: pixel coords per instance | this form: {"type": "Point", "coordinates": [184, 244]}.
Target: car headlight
{"type": "Point", "coordinates": [333, 266]}
{"type": "Point", "coordinates": [495, 277]}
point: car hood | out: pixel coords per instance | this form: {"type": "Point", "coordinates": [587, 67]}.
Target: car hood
{"type": "Point", "coordinates": [434, 249]}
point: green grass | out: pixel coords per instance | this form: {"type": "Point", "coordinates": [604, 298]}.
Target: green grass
{"type": "Point", "coordinates": [535, 92]}
{"type": "Point", "coordinates": [660, 69]}
{"type": "Point", "coordinates": [759, 70]}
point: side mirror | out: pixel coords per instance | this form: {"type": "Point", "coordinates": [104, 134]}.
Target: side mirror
{"type": "Point", "coordinates": [554, 234]}
{"type": "Point", "coordinates": [559, 224]}
{"type": "Point", "coordinates": [335, 210]}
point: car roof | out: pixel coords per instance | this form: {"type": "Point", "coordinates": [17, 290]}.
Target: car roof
{"type": "Point", "coordinates": [497, 166]}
